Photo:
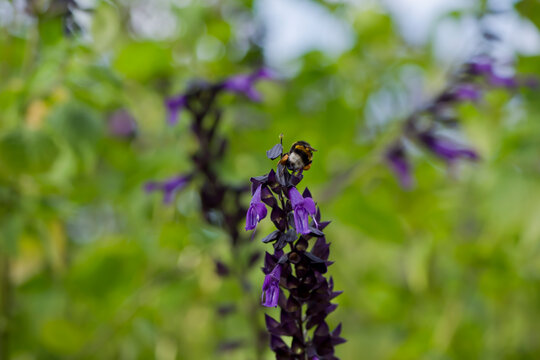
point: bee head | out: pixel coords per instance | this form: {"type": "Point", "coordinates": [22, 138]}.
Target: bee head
{"type": "Point", "coordinates": [303, 145]}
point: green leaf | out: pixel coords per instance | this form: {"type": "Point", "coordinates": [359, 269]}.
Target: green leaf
{"type": "Point", "coordinates": [27, 152]}
{"type": "Point", "coordinates": [143, 60]}
{"type": "Point", "coordinates": [10, 229]}
{"type": "Point", "coordinates": [51, 31]}
{"type": "Point", "coordinates": [42, 151]}
{"type": "Point", "coordinates": [105, 27]}
{"type": "Point", "coordinates": [531, 10]}
{"type": "Point", "coordinates": [77, 123]}
{"type": "Point", "coordinates": [106, 268]}
{"type": "Point", "coordinates": [62, 336]}
{"type": "Point", "coordinates": [14, 156]}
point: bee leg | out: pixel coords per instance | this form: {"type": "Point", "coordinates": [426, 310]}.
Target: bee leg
{"type": "Point", "coordinates": [284, 159]}
{"type": "Point", "coordinates": [307, 167]}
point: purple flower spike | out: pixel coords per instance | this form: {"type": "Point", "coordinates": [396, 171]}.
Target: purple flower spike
{"type": "Point", "coordinates": [245, 83]}
{"type": "Point", "coordinates": [445, 148]}
{"type": "Point", "coordinates": [174, 106]}
{"type": "Point", "coordinates": [303, 207]}
{"type": "Point", "coordinates": [257, 210]}
{"type": "Point", "coordinates": [397, 160]}
{"type": "Point", "coordinates": [270, 294]}
{"type": "Point", "coordinates": [169, 186]}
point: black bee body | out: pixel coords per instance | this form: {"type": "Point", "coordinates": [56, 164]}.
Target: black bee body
{"type": "Point", "coordinates": [299, 157]}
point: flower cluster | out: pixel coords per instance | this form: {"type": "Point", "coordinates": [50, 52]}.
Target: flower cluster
{"type": "Point", "coordinates": [243, 84]}
{"type": "Point", "coordinates": [434, 127]}
{"type": "Point", "coordinates": [199, 101]}
{"type": "Point", "coordinates": [221, 202]}
{"type": "Point", "coordinates": [295, 272]}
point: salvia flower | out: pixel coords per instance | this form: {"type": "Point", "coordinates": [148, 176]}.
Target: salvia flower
{"type": "Point", "coordinates": [424, 125]}
{"type": "Point", "coordinates": [302, 207]}
{"type": "Point", "coordinates": [169, 186]}
{"type": "Point", "coordinates": [245, 83]}
{"type": "Point", "coordinates": [221, 202]}
{"type": "Point", "coordinates": [445, 148]}
{"type": "Point", "coordinates": [174, 105]}
{"type": "Point", "coordinates": [270, 294]}
{"type": "Point", "coordinates": [295, 280]}
{"type": "Point", "coordinates": [257, 210]}
{"type": "Point", "coordinates": [398, 162]}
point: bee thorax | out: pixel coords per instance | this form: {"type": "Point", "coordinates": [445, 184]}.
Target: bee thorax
{"type": "Point", "coordinates": [295, 162]}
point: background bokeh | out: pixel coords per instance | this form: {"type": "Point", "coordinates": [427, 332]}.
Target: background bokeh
{"type": "Point", "coordinates": [92, 267]}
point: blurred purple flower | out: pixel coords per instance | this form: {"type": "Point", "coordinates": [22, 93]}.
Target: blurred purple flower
{"type": "Point", "coordinates": [503, 81]}
{"type": "Point", "coordinates": [467, 92]}
{"type": "Point", "coordinates": [121, 124]}
{"type": "Point", "coordinates": [174, 106]}
{"type": "Point", "coordinates": [481, 66]}
{"type": "Point", "coordinates": [484, 66]}
{"type": "Point", "coordinates": [245, 83]}
{"type": "Point", "coordinates": [169, 186]}
{"type": "Point", "coordinates": [302, 207]}
{"type": "Point", "coordinates": [397, 160]}
{"type": "Point", "coordinates": [445, 148]}
{"type": "Point", "coordinates": [270, 294]}
{"type": "Point", "coordinates": [257, 210]}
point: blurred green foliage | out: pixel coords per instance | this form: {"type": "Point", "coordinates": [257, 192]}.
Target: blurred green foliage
{"type": "Point", "coordinates": [100, 270]}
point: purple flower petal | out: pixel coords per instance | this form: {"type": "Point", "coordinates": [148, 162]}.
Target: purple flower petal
{"type": "Point", "coordinates": [151, 186]}
{"type": "Point", "coordinates": [397, 160]}
{"type": "Point", "coordinates": [257, 210]}
{"type": "Point", "coordinates": [467, 92]}
{"type": "Point", "coordinates": [445, 148]}
{"type": "Point", "coordinates": [257, 195]}
{"type": "Point", "coordinates": [302, 207]}
{"type": "Point", "coordinates": [245, 83]}
{"type": "Point", "coordinates": [260, 208]}
{"type": "Point", "coordinates": [270, 294]}
{"type": "Point", "coordinates": [503, 81]}
{"type": "Point", "coordinates": [121, 124]}
{"type": "Point", "coordinates": [264, 73]}
{"type": "Point", "coordinates": [169, 186]}
{"type": "Point", "coordinates": [301, 220]}
{"type": "Point", "coordinates": [174, 106]}
{"type": "Point", "coordinates": [309, 204]}
{"type": "Point", "coordinates": [295, 197]}
{"type": "Point", "coordinates": [253, 95]}
{"type": "Point", "coordinates": [481, 66]}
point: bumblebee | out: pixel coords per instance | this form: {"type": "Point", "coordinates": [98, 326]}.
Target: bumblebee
{"type": "Point", "coordinates": [299, 157]}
